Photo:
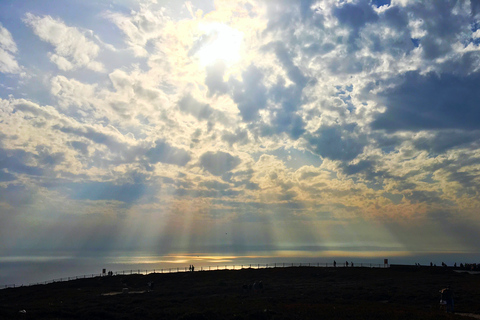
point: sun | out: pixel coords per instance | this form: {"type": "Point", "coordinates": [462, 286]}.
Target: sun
{"type": "Point", "coordinates": [219, 42]}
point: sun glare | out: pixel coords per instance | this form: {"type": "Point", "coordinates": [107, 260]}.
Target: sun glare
{"type": "Point", "coordinates": [219, 42]}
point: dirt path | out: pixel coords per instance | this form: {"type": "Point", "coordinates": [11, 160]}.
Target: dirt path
{"type": "Point", "coordinates": [471, 315]}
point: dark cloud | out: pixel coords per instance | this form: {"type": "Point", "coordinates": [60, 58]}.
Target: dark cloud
{"type": "Point", "coordinates": [199, 110]}
{"type": "Point", "coordinates": [282, 13]}
{"type": "Point", "coordinates": [250, 95]}
{"type": "Point", "coordinates": [336, 143]}
{"type": "Point", "coordinates": [396, 43]}
{"type": "Point", "coordinates": [466, 179]}
{"type": "Point", "coordinates": [429, 102]}
{"type": "Point", "coordinates": [355, 16]}
{"type": "Point", "coordinates": [163, 152]}
{"type": "Point", "coordinates": [211, 193]}
{"type": "Point", "coordinates": [293, 72]}
{"type": "Point", "coordinates": [17, 195]}
{"type": "Point", "coordinates": [214, 185]}
{"type": "Point", "coordinates": [475, 7]}
{"type": "Point", "coordinates": [309, 174]}
{"type": "Point", "coordinates": [421, 196]}
{"type": "Point", "coordinates": [287, 99]}
{"type": "Point", "coordinates": [5, 176]}
{"type": "Point", "coordinates": [218, 163]}
{"type": "Point", "coordinates": [446, 140]}
{"type": "Point", "coordinates": [443, 28]}
{"type": "Point", "coordinates": [214, 78]}
{"type": "Point", "coordinates": [14, 161]}
{"type": "Point", "coordinates": [361, 166]}
{"type": "Point", "coordinates": [47, 158]}
{"type": "Point", "coordinates": [240, 137]}
{"type": "Point", "coordinates": [94, 135]}
{"type": "Point", "coordinates": [79, 146]}
{"type": "Point", "coordinates": [287, 196]}
{"type": "Point", "coordinates": [106, 191]}
{"type": "Point", "coordinates": [379, 3]}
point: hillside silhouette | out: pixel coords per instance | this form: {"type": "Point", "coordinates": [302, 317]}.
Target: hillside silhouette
{"type": "Point", "coordinates": [284, 293]}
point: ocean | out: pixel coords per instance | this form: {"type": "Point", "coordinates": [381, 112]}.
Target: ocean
{"type": "Point", "coordinates": [32, 269]}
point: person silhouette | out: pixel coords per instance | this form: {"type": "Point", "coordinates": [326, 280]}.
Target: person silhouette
{"type": "Point", "coordinates": [447, 296]}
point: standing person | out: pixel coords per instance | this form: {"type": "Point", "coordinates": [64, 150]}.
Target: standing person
{"type": "Point", "coordinates": [447, 296]}
{"type": "Point", "coordinates": [346, 263]}
{"type": "Point", "coordinates": [334, 263]}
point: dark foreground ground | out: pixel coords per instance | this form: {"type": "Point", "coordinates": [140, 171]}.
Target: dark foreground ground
{"type": "Point", "coordinates": [289, 293]}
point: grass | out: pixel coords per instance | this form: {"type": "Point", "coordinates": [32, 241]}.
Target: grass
{"type": "Point", "coordinates": [289, 293]}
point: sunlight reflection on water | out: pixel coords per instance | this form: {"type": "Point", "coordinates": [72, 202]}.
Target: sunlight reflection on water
{"type": "Point", "coordinates": [32, 269]}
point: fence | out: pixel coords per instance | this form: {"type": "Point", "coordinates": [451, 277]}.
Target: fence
{"type": "Point", "coordinates": [207, 268]}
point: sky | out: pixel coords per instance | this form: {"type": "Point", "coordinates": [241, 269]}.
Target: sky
{"type": "Point", "coordinates": [256, 128]}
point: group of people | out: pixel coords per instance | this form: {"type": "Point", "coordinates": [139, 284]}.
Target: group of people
{"type": "Point", "coordinates": [470, 266]}
{"type": "Point", "coordinates": [466, 266]}
{"type": "Point", "coordinates": [346, 263]}
{"type": "Point", "coordinates": [191, 268]}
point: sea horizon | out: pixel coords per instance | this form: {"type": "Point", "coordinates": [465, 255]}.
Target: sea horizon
{"type": "Point", "coordinates": [24, 270]}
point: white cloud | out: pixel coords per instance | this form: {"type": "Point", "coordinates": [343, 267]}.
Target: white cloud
{"type": "Point", "coordinates": [8, 63]}
{"type": "Point", "coordinates": [140, 27]}
{"type": "Point", "coordinates": [6, 40]}
{"type": "Point", "coordinates": [72, 48]}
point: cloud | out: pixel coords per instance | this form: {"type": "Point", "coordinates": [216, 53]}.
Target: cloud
{"type": "Point", "coordinates": [140, 27]}
{"type": "Point", "coordinates": [199, 110]}
{"type": "Point", "coordinates": [74, 96]}
{"type": "Point", "coordinates": [214, 79]}
{"type": "Point", "coordinates": [72, 48]}
{"type": "Point", "coordinates": [17, 195]}
{"type": "Point", "coordinates": [8, 48]}
{"type": "Point", "coordinates": [442, 141]}
{"type": "Point", "coordinates": [336, 142]}
{"type": "Point", "coordinates": [251, 94]}
{"type": "Point", "coordinates": [442, 26]}
{"type": "Point", "coordinates": [106, 191]}
{"type": "Point", "coordinates": [218, 163]}
{"type": "Point", "coordinates": [431, 101]}
{"type": "Point", "coordinates": [17, 161]}
{"type": "Point", "coordinates": [239, 136]}
{"type": "Point", "coordinates": [163, 152]}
